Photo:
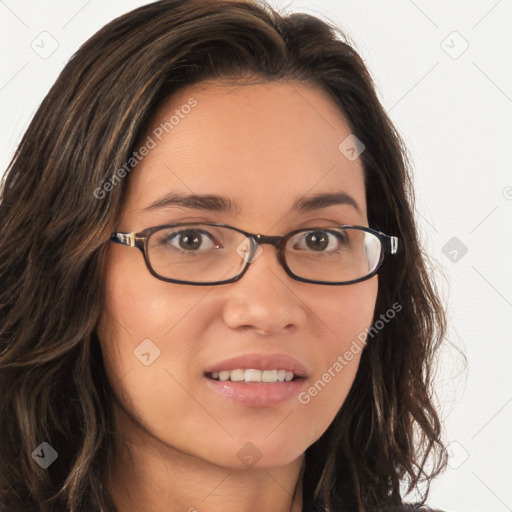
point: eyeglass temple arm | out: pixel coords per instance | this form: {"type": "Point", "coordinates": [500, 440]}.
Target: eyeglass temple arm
{"type": "Point", "coordinates": [392, 243]}
{"type": "Point", "coordinates": [123, 239]}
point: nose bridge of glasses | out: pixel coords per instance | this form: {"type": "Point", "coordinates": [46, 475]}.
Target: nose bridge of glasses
{"type": "Point", "coordinates": [268, 239]}
{"type": "Point", "coordinates": [251, 252]}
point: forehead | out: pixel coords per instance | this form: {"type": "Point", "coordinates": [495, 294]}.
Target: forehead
{"type": "Point", "coordinates": [257, 143]}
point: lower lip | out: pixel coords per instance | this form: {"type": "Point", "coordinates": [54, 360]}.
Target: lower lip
{"type": "Point", "coordinates": [257, 394]}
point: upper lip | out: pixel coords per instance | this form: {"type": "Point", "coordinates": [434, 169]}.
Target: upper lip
{"type": "Point", "coordinates": [260, 362]}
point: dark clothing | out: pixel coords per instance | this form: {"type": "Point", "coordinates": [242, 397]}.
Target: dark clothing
{"type": "Point", "coordinates": [403, 508]}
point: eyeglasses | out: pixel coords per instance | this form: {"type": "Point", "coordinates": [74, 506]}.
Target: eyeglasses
{"type": "Point", "coordinates": [212, 253]}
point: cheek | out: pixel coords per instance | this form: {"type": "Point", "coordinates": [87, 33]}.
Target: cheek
{"type": "Point", "coordinates": [137, 305]}
{"type": "Point", "coordinates": [350, 311]}
{"type": "Point", "coordinates": [347, 315]}
{"type": "Point", "coordinates": [145, 334]}
{"type": "Point", "coordinates": [141, 315]}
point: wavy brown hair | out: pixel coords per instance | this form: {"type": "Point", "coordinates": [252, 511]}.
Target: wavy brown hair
{"type": "Point", "coordinates": [54, 235]}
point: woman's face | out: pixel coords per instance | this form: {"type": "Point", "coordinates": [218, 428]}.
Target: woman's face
{"type": "Point", "coordinates": [263, 147]}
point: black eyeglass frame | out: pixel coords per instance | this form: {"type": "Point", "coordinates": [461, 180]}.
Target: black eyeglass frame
{"type": "Point", "coordinates": [389, 246]}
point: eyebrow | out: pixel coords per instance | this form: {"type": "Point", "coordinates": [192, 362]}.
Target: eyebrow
{"type": "Point", "coordinates": [217, 203]}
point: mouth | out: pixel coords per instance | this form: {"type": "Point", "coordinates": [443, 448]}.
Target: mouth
{"type": "Point", "coordinates": [257, 380]}
{"type": "Point", "coordinates": [252, 375]}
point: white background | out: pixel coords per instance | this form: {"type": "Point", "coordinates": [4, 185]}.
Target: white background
{"type": "Point", "coordinates": [453, 107]}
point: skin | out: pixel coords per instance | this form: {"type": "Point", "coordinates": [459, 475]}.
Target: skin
{"type": "Point", "coordinates": [177, 441]}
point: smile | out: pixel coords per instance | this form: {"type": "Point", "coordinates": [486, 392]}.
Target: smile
{"type": "Point", "coordinates": [253, 375]}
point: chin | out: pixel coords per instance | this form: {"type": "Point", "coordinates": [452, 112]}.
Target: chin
{"type": "Point", "coordinates": [255, 453]}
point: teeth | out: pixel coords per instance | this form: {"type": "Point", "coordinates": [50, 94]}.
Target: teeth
{"type": "Point", "coordinates": [252, 375]}
{"type": "Point", "coordinates": [269, 376]}
{"type": "Point", "coordinates": [237, 375]}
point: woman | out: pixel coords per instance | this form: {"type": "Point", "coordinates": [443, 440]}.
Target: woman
{"type": "Point", "coordinates": [156, 352]}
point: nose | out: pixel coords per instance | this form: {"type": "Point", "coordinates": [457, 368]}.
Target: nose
{"type": "Point", "coordinates": [264, 299]}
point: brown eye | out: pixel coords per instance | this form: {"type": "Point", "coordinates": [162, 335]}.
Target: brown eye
{"type": "Point", "coordinates": [189, 240]}
{"type": "Point", "coordinates": [319, 241]}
